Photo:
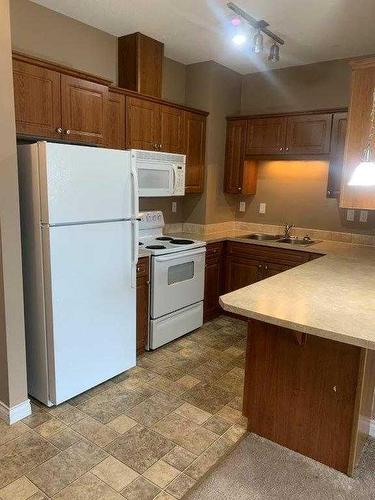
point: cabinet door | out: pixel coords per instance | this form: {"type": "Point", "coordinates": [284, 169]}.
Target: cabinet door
{"type": "Point", "coordinates": [309, 134]}
{"type": "Point", "coordinates": [37, 100]}
{"type": "Point", "coordinates": [266, 136]}
{"type": "Point", "coordinates": [142, 303]}
{"type": "Point", "coordinates": [83, 110]}
{"type": "Point", "coordinates": [115, 121]}
{"type": "Point", "coordinates": [213, 285]}
{"type": "Point", "coordinates": [241, 272]}
{"type": "Point", "coordinates": [271, 269]}
{"type": "Point", "coordinates": [234, 156]}
{"type": "Point", "coordinates": [337, 154]}
{"type": "Point", "coordinates": [142, 124]}
{"type": "Point", "coordinates": [171, 130]}
{"type": "Point", "coordinates": [195, 146]}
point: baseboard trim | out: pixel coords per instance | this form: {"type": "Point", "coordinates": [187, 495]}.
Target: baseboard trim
{"type": "Point", "coordinates": [372, 428]}
{"type": "Point", "coordinates": [13, 414]}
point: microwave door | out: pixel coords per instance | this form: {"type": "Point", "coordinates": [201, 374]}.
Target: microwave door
{"type": "Point", "coordinates": [154, 180]}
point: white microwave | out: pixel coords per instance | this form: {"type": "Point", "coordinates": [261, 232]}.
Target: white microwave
{"type": "Point", "coordinates": [159, 174]}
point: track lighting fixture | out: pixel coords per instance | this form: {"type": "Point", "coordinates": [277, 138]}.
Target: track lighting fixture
{"type": "Point", "coordinates": [261, 29]}
{"type": "Point", "coordinates": [274, 53]}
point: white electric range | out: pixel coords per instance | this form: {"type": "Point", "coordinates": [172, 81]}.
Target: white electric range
{"type": "Point", "coordinates": [177, 280]}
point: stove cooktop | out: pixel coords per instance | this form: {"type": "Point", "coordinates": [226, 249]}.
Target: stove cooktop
{"type": "Point", "coordinates": [169, 244]}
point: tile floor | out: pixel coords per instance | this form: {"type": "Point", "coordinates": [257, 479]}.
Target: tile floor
{"type": "Point", "coordinates": [152, 432]}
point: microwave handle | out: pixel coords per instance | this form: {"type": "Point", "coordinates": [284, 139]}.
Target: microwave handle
{"type": "Point", "coordinates": [174, 174]}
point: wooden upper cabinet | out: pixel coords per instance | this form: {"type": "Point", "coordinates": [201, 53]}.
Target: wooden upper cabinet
{"type": "Point", "coordinates": [234, 156]}
{"type": "Point", "coordinates": [37, 100]}
{"type": "Point", "coordinates": [140, 64]}
{"type": "Point", "coordinates": [195, 145]}
{"type": "Point", "coordinates": [142, 124]}
{"type": "Point", "coordinates": [115, 122]}
{"type": "Point", "coordinates": [83, 105]}
{"type": "Point", "coordinates": [240, 175]}
{"type": "Point", "coordinates": [171, 129]}
{"type": "Point", "coordinates": [359, 123]}
{"type": "Point", "coordinates": [339, 125]}
{"type": "Point", "coordinates": [308, 134]}
{"type": "Point", "coordinates": [265, 136]}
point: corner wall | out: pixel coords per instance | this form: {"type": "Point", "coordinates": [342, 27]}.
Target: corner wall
{"type": "Point", "coordinates": [216, 89]}
{"type": "Point", "coordinates": [13, 386]}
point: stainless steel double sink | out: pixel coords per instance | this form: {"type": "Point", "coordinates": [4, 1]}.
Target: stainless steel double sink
{"type": "Point", "coordinates": [280, 239]}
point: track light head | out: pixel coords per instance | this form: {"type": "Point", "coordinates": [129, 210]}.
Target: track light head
{"type": "Point", "coordinates": [258, 42]}
{"type": "Point", "coordinates": [274, 53]}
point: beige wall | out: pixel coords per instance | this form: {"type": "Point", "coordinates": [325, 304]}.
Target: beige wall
{"type": "Point", "coordinates": [295, 192]}
{"type": "Point", "coordinates": [13, 387]}
{"type": "Point", "coordinates": [174, 81]}
{"type": "Point", "coordinates": [314, 86]}
{"type": "Point", "coordinates": [44, 33]}
{"type": "Point", "coordinates": [216, 89]}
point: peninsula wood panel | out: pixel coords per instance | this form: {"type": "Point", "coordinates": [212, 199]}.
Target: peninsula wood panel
{"type": "Point", "coordinates": [37, 100]}
{"type": "Point", "coordinates": [115, 121]}
{"type": "Point", "coordinates": [195, 147]}
{"type": "Point", "coordinates": [83, 110]}
{"type": "Point", "coordinates": [303, 396]}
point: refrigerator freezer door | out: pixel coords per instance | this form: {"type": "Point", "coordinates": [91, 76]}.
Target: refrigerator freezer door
{"type": "Point", "coordinates": [92, 306]}
{"type": "Point", "coordinates": [85, 184]}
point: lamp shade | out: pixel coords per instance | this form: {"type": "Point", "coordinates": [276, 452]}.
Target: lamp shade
{"type": "Point", "coordinates": [363, 175]}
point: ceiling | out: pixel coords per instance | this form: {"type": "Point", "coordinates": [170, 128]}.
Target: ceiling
{"type": "Point", "coordinates": [198, 30]}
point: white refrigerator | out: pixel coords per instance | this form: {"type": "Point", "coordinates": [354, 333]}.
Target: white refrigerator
{"type": "Point", "coordinates": [79, 208]}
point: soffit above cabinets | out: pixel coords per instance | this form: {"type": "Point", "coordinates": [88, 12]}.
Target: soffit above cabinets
{"type": "Point", "coordinates": [195, 31]}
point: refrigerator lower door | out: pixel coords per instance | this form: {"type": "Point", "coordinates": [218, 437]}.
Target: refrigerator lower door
{"type": "Point", "coordinates": [91, 329]}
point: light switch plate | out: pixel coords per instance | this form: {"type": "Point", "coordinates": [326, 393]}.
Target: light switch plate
{"type": "Point", "coordinates": [242, 206]}
{"type": "Point", "coordinates": [363, 216]}
{"type": "Point", "coordinates": [350, 215]}
{"type": "Point", "coordinates": [262, 208]}
{"type": "Point", "coordinates": [174, 206]}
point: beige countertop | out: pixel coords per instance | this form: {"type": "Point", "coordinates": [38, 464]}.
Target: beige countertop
{"type": "Point", "coordinates": [331, 297]}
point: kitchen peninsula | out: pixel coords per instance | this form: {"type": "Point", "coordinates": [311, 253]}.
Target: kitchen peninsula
{"type": "Point", "coordinates": [310, 363]}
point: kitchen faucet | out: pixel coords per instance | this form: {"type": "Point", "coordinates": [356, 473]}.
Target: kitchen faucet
{"type": "Point", "coordinates": [287, 229]}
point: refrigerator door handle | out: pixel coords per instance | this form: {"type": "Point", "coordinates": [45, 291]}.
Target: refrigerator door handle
{"type": "Point", "coordinates": [135, 237]}
{"type": "Point", "coordinates": [134, 190]}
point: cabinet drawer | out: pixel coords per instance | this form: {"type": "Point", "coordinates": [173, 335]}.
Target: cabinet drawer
{"type": "Point", "coordinates": [143, 267]}
{"type": "Point", "coordinates": [267, 254]}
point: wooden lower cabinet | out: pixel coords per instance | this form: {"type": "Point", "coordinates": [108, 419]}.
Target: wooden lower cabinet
{"type": "Point", "coordinates": [213, 286]}
{"type": "Point", "coordinates": [143, 285]}
{"type": "Point", "coordinates": [233, 265]}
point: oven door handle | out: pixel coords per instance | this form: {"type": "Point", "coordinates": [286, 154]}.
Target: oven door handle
{"type": "Point", "coordinates": [180, 255]}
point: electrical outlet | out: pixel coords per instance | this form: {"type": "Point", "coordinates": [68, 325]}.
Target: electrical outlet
{"type": "Point", "coordinates": [363, 216]}
{"type": "Point", "coordinates": [350, 215]}
{"type": "Point", "coordinates": [174, 206]}
{"type": "Point", "coordinates": [242, 206]}
{"type": "Point", "coordinates": [262, 208]}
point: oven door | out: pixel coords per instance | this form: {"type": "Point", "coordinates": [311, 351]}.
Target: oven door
{"type": "Point", "coordinates": [177, 281]}
{"type": "Point", "coordinates": [155, 179]}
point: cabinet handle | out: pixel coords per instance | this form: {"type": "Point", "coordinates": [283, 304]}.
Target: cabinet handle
{"type": "Point", "coordinates": [155, 146]}
{"type": "Point", "coordinates": [286, 149]}
{"type": "Point", "coordinates": [59, 130]}
{"type": "Point", "coordinates": [160, 146]}
{"type": "Point", "coordinates": [67, 132]}
{"type": "Point", "coordinates": [239, 189]}
{"type": "Point", "coordinates": [281, 149]}
{"type": "Point", "coordinates": [138, 269]}
{"type": "Point", "coordinates": [266, 267]}
{"type": "Point", "coordinates": [260, 266]}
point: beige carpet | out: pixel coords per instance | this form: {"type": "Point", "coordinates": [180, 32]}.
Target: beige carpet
{"type": "Point", "coordinates": [260, 470]}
